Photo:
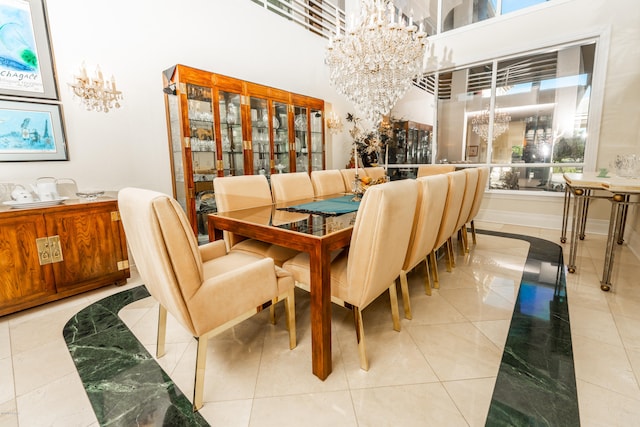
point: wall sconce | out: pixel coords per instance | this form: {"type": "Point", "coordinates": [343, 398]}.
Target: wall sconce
{"type": "Point", "coordinates": [96, 94]}
{"type": "Point", "coordinates": [334, 123]}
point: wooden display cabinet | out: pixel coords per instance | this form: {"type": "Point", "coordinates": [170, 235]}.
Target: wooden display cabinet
{"type": "Point", "coordinates": [411, 143]}
{"type": "Point", "coordinates": [50, 253]}
{"type": "Point", "coordinates": [221, 126]}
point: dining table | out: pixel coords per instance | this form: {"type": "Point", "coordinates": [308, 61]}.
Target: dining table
{"type": "Point", "coordinates": [317, 226]}
{"type": "Point", "coordinates": [622, 192]}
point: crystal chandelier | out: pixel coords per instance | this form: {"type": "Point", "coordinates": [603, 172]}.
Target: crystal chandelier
{"type": "Point", "coordinates": [96, 93]}
{"type": "Point", "coordinates": [480, 123]}
{"type": "Point", "coordinates": [374, 63]}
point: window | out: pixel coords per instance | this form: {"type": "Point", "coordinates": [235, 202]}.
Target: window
{"type": "Point", "coordinates": [526, 117]}
{"type": "Point", "coordinates": [458, 13]}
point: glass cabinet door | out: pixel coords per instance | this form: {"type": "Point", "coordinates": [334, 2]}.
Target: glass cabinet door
{"type": "Point", "coordinates": [203, 152]}
{"type": "Point", "coordinates": [281, 137]}
{"type": "Point", "coordinates": [317, 147]}
{"type": "Point", "coordinates": [260, 141]}
{"type": "Point", "coordinates": [231, 133]}
{"type": "Point", "coordinates": [176, 151]}
{"type": "Point", "coordinates": [412, 144]}
{"type": "Point", "coordinates": [301, 126]}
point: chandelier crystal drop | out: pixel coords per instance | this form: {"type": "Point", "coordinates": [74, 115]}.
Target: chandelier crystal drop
{"type": "Point", "coordinates": [480, 123]}
{"type": "Point", "coordinates": [374, 63]}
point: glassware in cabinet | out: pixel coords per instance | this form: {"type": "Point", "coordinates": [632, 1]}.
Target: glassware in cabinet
{"type": "Point", "coordinates": [260, 140]}
{"type": "Point", "coordinates": [317, 145]}
{"type": "Point", "coordinates": [231, 133]}
{"type": "Point", "coordinates": [281, 137]}
{"type": "Point", "coordinates": [301, 131]}
{"type": "Point", "coordinates": [203, 151]}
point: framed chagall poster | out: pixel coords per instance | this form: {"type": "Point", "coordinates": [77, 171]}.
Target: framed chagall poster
{"type": "Point", "coordinates": [26, 66]}
{"type": "Point", "coordinates": [31, 131]}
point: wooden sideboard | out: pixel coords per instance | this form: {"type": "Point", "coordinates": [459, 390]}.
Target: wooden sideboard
{"type": "Point", "coordinates": [51, 253]}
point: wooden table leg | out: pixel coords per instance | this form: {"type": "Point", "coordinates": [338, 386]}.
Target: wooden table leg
{"type": "Point", "coordinates": [320, 288]}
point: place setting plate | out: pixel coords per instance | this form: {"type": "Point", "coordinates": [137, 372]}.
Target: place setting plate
{"type": "Point", "coordinates": [34, 204]}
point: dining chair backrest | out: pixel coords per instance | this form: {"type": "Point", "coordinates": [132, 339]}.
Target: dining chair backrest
{"type": "Point", "coordinates": [349, 176]}
{"type": "Point", "coordinates": [435, 169]}
{"type": "Point", "coordinates": [432, 197]}
{"type": "Point", "coordinates": [483, 177]}
{"type": "Point", "coordinates": [327, 182]}
{"type": "Point", "coordinates": [379, 241]}
{"type": "Point", "coordinates": [165, 249]}
{"type": "Point", "coordinates": [240, 192]}
{"type": "Point", "coordinates": [457, 181]}
{"type": "Point", "coordinates": [286, 187]}
{"type": "Point", "coordinates": [375, 172]}
{"type": "Point", "coordinates": [469, 194]}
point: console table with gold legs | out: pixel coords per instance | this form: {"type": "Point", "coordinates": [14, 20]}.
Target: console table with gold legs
{"type": "Point", "coordinates": [584, 188]}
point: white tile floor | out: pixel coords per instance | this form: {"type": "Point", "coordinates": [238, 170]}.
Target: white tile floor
{"type": "Point", "coordinates": [439, 370]}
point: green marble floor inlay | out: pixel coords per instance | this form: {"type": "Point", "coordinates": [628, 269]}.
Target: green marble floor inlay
{"type": "Point", "coordinates": [536, 383]}
{"type": "Point", "coordinates": [125, 385]}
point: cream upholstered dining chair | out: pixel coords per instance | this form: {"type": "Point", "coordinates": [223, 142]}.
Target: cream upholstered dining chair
{"type": "Point", "coordinates": [435, 169]}
{"type": "Point", "coordinates": [374, 258]}
{"type": "Point", "coordinates": [465, 209]}
{"type": "Point", "coordinates": [375, 172]}
{"type": "Point", "coordinates": [248, 191]}
{"type": "Point", "coordinates": [349, 176]}
{"type": "Point", "coordinates": [432, 196]}
{"type": "Point", "coordinates": [206, 288]}
{"type": "Point", "coordinates": [483, 177]}
{"type": "Point", "coordinates": [326, 182]}
{"type": "Point", "coordinates": [455, 193]}
{"type": "Point", "coordinates": [286, 187]}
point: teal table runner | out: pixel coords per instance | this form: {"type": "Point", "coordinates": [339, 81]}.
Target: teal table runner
{"type": "Point", "coordinates": [328, 207]}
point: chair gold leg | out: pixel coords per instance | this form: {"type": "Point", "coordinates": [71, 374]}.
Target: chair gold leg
{"type": "Point", "coordinates": [201, 361]}
{"type": "Point", "coordinates": [272, 311]}
{"type": "Point", "coordinates": [357, 318]}
{"type": "Point", "coordinates": [473, 232]}
{"type": "Point", "coordinates": [290, 308]}
{"type": "Point", "coordinates": [465, 240]}
{"type": "Point", "coordinates": [404, 286]}
{"type": "Point", "coordinates": [450, 260]}
{"type": "Point", "coordinates": [434, 268]}
{"type": "Point", "coordinates": [162, 331]}
{"type": "Point", "coordinates": [461, 241]}
{"type": "Point", "coordinates": [395, 312]}
{"type": "Point", "coordinates": [427, 277]}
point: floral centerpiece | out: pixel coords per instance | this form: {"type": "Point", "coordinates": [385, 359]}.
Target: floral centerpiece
{"type": "Point", "coordinates": [367, 147]}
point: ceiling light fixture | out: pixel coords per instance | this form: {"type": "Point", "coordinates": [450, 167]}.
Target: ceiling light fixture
{"type": "Point", "coordinates": [375, 62]}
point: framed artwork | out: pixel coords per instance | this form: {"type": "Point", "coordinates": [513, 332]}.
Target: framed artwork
{"type": "Point", "coordinates": [473, 151]}
{"type": "Point", "coordinates": [31, 131]}
{"type": "Point", "coordinates": [26, 66]}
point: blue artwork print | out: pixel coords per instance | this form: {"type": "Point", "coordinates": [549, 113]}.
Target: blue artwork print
{"type": "Point", "coordinates": [19, 67]}
{"type": "Point", "coordinates": [23, 131]}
